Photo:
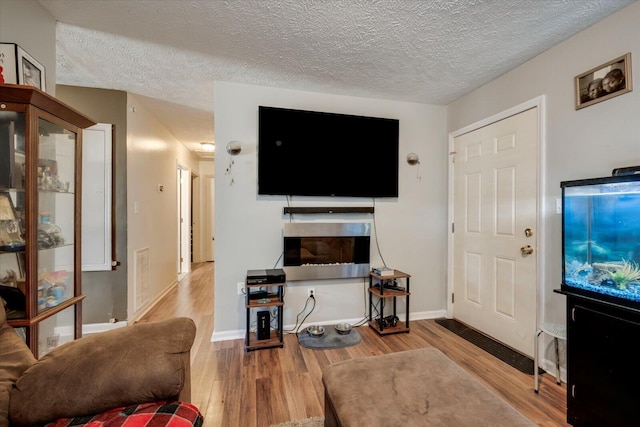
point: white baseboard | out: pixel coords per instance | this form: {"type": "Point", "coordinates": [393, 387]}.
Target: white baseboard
{"type": "Point", "coordinates": [94, 328]}
{"type": "Point", "coordinates": [145, 308]}
{"type": "Point", "coordinates": [436, 314]}
{"type": "Point", "coordinates": [227, 335]}
{"type": "Point", "coordinates": [239, 333]}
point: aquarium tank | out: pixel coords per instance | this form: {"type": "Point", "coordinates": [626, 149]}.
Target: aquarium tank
{"type": "Point", "coordinates": [601, 238]}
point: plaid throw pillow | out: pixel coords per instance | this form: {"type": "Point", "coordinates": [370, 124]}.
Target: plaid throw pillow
{"type": "Point", "coordinates": [175, 414]}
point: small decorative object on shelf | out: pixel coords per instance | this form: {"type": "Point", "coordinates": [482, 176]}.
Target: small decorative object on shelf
{"type": "Point", "coordinates": [384, 271]}
{"type": "Point", "coordinates": [11, 237]}
{"type": "Point", "coordinates": [40, 170]}
{"type": "Point", "coordinates": [383, 288]}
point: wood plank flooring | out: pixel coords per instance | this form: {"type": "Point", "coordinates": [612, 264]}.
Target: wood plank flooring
{"type": "Point", "coordinates": [265, 387]}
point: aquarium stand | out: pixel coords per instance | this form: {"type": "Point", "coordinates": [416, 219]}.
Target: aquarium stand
{"type": "Point", "coordinates": [602, 371]}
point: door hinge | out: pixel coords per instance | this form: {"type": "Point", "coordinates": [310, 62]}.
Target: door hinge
{"type": "Point", "coordinates": [453, 298]}
{"type": "Point", "coordinates": [453, 227]}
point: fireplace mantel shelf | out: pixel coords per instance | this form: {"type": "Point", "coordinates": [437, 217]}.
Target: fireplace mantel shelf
{"type": "Point", "coordinates": [328, 210]}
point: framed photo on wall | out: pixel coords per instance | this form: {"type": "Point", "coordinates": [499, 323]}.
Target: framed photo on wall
{"type": "Point", "coordinates": [604, 82]}
{"type": "Point", "coordinates": [18, 67]}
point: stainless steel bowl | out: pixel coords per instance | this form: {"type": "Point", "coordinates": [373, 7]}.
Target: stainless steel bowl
{"type": "Point", "coordinates": [315, 330]}
{"type": "Point", "coordinates": [343, 328]}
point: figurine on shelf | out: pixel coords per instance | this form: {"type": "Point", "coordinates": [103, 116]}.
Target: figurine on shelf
{"type": "Point", "coordinates": [11, 279]}
{"type": "Point", "coordinates": [57, 291]}
{"type": "Point", "coordinates": [11, 237]}
{"type": "Point", "coordinates": [42, 302]}
{"type": "Point", "coordinates": [48, 176]}
{"type": "Point", "coordinates": [49, 235]}
{"type": "Point", "coordinates": [54, 289]}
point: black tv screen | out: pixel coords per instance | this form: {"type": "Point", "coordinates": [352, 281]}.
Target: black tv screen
{"type": "Point", "coordinates": [309, 153]}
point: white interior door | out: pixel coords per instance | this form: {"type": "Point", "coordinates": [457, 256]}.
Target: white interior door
{"type": "Point", "coordinates": [495, 218]}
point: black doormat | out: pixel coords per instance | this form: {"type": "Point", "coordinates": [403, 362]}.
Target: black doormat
{"type": "Point", "coordinates": [491, 346]}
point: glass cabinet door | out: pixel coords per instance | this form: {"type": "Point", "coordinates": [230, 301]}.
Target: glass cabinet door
{"type": "Point", "coordinates": [56, 330]}
{"type": "Point", "coordinates": [12, 213]}
{"type": "Point", "coordinates": [56, 214]}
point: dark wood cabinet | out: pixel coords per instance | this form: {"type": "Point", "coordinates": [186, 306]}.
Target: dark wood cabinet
{"type": "Point", "coordinates": [602, 363]}
{"type": "Point", "coordinates": [40, 205]}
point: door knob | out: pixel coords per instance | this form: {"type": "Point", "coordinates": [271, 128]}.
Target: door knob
{"type": "Point", "coordinates": [528, 232]}
{"type": "Point", "coordinates": [526, 250]}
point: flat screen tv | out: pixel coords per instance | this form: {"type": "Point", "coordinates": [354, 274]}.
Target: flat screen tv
{"type": "Point", "coordinates": [309, 153]}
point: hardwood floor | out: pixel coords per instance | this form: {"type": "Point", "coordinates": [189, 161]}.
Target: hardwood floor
{"type": "Point", "coordinates": [264, 387]}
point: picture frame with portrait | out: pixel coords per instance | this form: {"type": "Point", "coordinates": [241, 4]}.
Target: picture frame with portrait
{"type": "Point", "coordinates": [606, 81]}
{"type": "Point", "coordinates": [18, 67]}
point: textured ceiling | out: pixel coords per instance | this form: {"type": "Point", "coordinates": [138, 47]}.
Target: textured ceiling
{"type": "Point", "coordinates": [429, 51]}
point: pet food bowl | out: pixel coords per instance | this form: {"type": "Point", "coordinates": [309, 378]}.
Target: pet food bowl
{"type": "Point", "coordinates": [343, 328]}
{"type": "Point", "coordinates": [315, 330]}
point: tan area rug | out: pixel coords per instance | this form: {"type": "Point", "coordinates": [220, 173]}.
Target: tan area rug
{"type": "Point", "coordinates": [307, 422]}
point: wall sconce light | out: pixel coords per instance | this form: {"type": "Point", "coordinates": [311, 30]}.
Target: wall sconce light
{"type": "Point", "coordinates": [208, 146]}
{"type": "Point", "coordinates": [413, 159]}
{"type": "Point", "coordinates": [234, 148]}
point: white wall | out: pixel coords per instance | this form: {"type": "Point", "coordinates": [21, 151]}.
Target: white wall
{"type": "Point", "coordinates": [31, 27]}
{"type": "Point", "coordinates": [411, 228]}
{"type": "Point", "coordinates": [579, 143]}
{"type": "Point", "coordinates": [153, 155]}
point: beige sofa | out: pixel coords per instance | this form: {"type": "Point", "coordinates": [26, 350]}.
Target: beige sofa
{"type": "Point", "coordinates": [146, 362]}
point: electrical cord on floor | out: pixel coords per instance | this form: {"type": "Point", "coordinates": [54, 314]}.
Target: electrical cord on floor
{"type": "Point", "coordinates": [295, 327]}
{"type": "Point", "coordinates": [305, 317]}
{"type": "Point", "coordinates": [273, 316]}
{"type": "Point", "coordinates": [375, 307]}
{"type": "Point", "coordinates": [360, 322]}
{"type": "Point", "coordinates": [365, 317]}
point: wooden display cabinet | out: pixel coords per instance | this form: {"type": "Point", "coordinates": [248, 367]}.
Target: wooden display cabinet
{"type": "Point", "coordinates": [602, 387]}
{"type": "Point", "coordinates": [378, 290]}
{"type": "Point", "coordinates": [40, 205]}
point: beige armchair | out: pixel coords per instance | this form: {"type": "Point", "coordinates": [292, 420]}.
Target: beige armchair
{"type": "Point", "coordinates": [136, 364]}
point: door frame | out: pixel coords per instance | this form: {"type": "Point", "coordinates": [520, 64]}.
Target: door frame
{"type": "Point", "coordinates": [183, 261]}
{"type": "Point", "coordinates": [538, 102]}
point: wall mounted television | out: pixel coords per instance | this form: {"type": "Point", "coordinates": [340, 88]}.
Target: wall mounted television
{"type": "Point", "coordinates": [311, 153]}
